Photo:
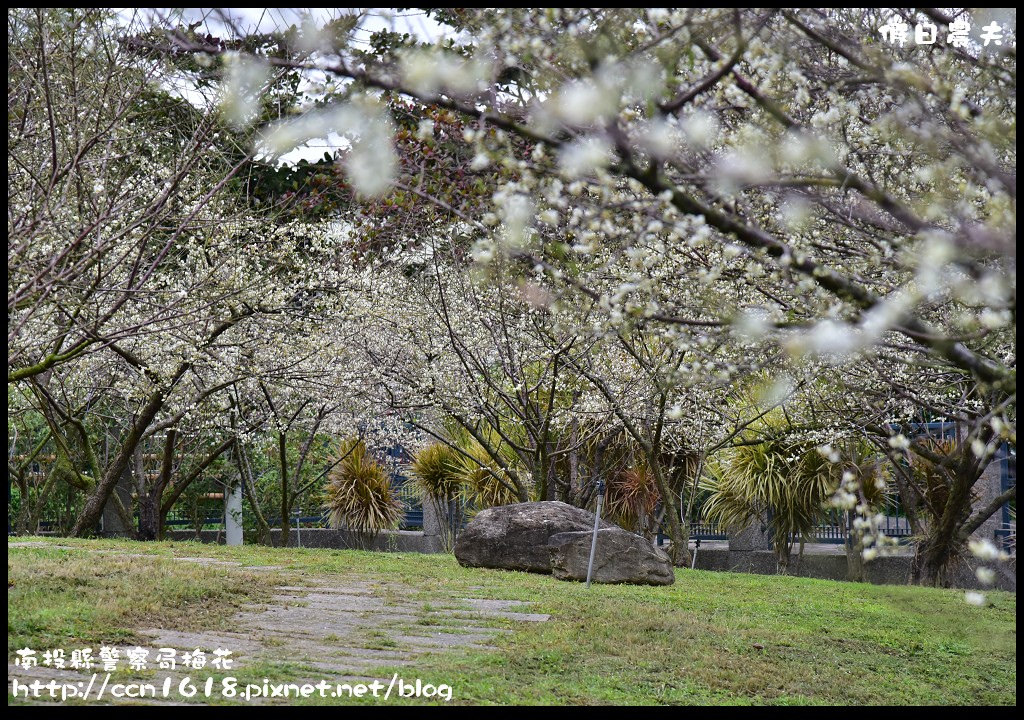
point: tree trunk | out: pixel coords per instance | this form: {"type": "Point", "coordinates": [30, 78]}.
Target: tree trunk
{"type": "Point", "coordinates": [149, 517]}
{"type": "Point", "coordinates": [552, 481]}
{"type": "Point", "coordinates": [933, 561]}
{"type": "Point", "coordinates": [30, 511]}
{"type": "Point", "coordinates": [286, 529]}
{"type": "Point", "coordinates": [942, 546]}
{"type": "Point", "coordinates": [574, 467]}
{"type": "Point", "coordinates": [445, 518]}
{"type": "Point", "coordinates": [286, 506]}
{"type": "Point", "coordinates": [782, 552]}
{"type": "Point", "coordinates": [170, 492]}
{"type": "Point", "coordinates": [21, 522]}
{"type": "Point", "coordinates": [151, 512]}
{"type": "Point", "coordinates": [263, 536]}
{"type": "Point", "coordinates": [937, 556]}
{"type": "Point", "coordinates": [680, 550]}
{"type": "Point", "coordinates": [684, 540]}
{"type": "Point", "coordinates": [854, 551]}
{"type": "Point", "coordinates": [93, 508]}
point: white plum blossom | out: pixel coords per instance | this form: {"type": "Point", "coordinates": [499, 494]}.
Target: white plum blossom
{"type": "Point", "coordinates": [584, 156]}
{"type": "Point", "coordinates": [975, 598]}
{"type": "Point", "coordinates": [985, 575]}
{"type": "Point", "coordinates": [244, 86]}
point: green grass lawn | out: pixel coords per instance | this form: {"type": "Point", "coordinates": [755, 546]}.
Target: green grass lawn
{"type": "Point", "coordinates": [822, 642]}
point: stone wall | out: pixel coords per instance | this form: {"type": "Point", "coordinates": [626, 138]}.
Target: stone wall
{"type": "Point", "coordinates": [756, 536]}
{"type": "Point", "coordinates": [987, 489]}
{"type": "Point", "coordinates": [890, 570]}
{"type": "Point", "coordinates": [387, 541]}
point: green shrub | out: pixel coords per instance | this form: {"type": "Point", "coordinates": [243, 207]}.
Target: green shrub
{"type": "Point", "coordinates": [359, 495]}
{"type": "Point", "coordinates": [487, 484]}
{"type": "Point", "coordinates": [438, 472]}
{"type": "Point", "coordinates": [790, 481]}
{"type": "Point", "coordinates": [631, 498]}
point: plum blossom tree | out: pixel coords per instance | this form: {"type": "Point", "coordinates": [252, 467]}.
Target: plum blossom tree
{"type": "Point", "coordinates": [843, 193]}
{"type": "Point", "coordinates": [681, 198]}
{"type": "Point", "coordinates": [93, 212]}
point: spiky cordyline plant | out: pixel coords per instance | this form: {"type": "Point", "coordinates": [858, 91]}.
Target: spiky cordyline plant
{"type": "Point", "coordinates": [440, 476]}
{"type": "Point", "coordinates": [632, 497]}
{"type": "Point", "coordinates": [481, 476]}
{"type": "Point", "coordinates": [485, 482]}
{"type": "Point", "coordinates": [359, 495]}
{"type": "Point", "coordinates": [791, 480]}
{"type": "Point", "coordinates": [438, 472]}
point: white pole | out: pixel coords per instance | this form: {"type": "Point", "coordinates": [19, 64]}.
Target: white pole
{"type": "Point", "coordinates": [597, 522]}
{"type": "Point", "coordinates": [233, 515]}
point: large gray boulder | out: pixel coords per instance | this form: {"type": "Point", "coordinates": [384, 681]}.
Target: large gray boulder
{"type": "Point", "coordinates": [552, 537]}
{"type": "Point", "coordinates": [621, 557]}
{"type": "Point", "coordinates": [515, 537]}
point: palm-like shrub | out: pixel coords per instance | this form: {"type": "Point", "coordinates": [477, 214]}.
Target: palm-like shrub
{"type": "Point", "coordinates": [933, 475]}
{"type": "Point", "coordinates": [438, 472]}
{"type": "Point", "coordinates": [791, 481]}
{"type": "Point", "coordinates": [631, 498]}
{"type": "Point", "coordinates": [359, 495]}
{"type": "Point", "coordinates": [440, 476]}
{"type": "Point", "coordinates": [487, 484]}
{"type": "Point", "coordinates": [460, 475]}
{"type": "Point", "coordinates": [790, 486]}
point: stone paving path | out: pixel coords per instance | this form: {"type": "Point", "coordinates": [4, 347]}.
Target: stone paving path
{"type": "Point", "coordinates": [339, 630]}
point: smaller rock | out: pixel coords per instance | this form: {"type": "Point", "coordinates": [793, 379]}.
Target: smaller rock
{"type": "Point", "coordinates": [621, 557]}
